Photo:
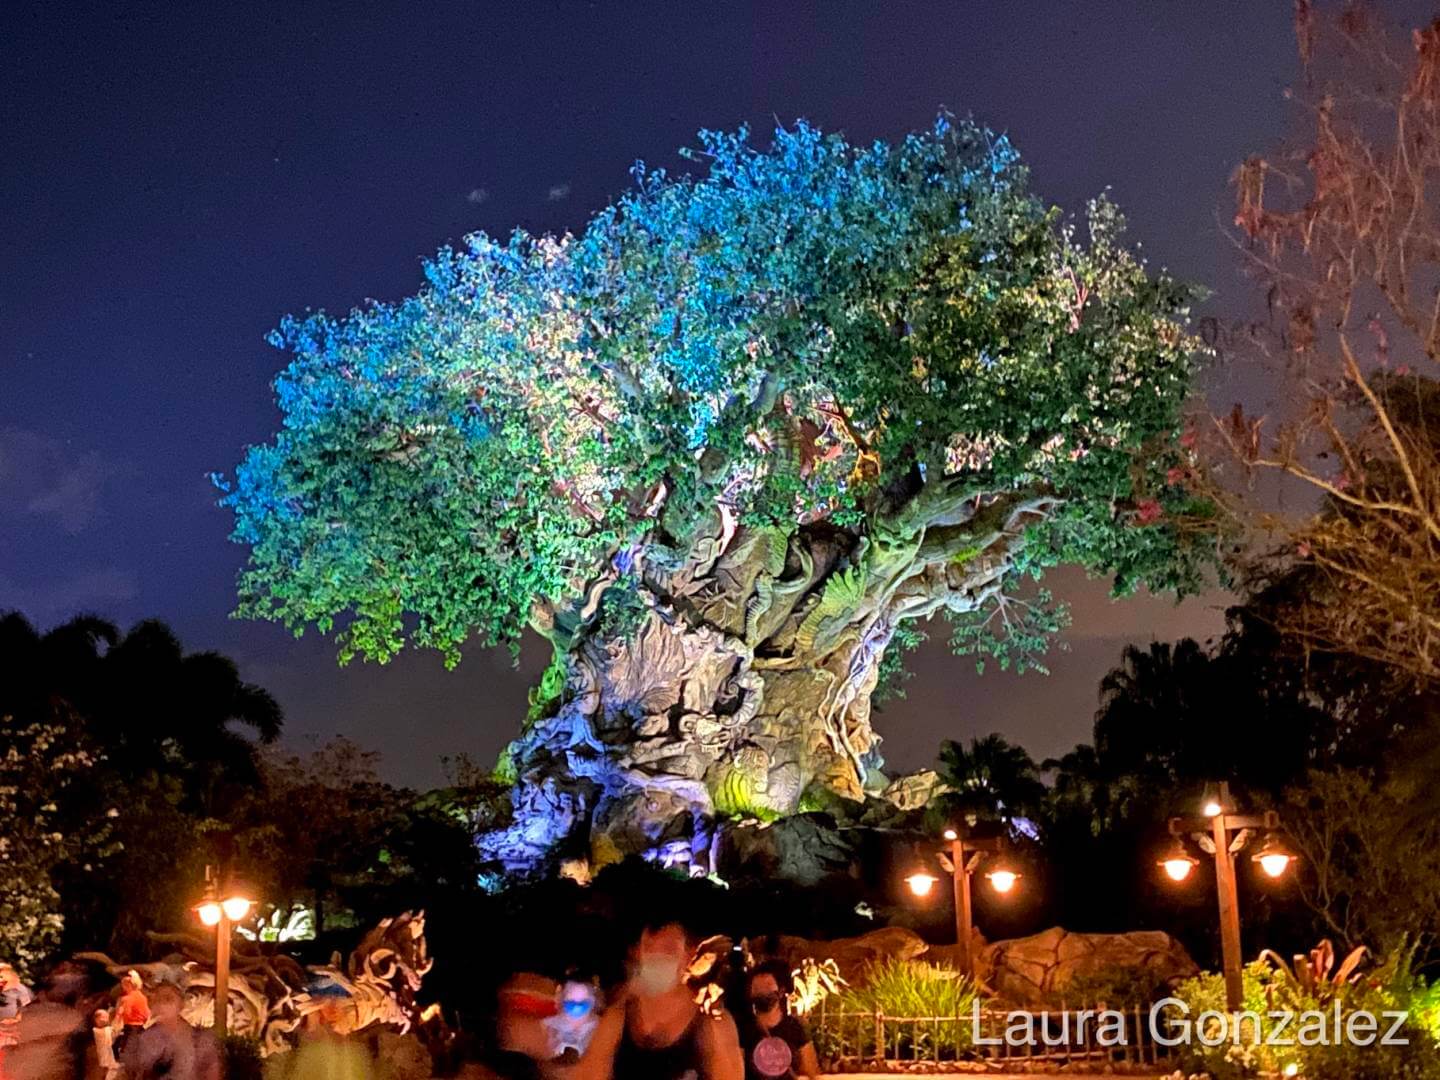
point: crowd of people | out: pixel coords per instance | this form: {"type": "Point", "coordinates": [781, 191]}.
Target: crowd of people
{"type": "Point", "coordinates": [673, 1013]}
{"type": "Point", "coordinates": [62, 1034]}
{"type": "Point", "coordinates": [664, 1021]}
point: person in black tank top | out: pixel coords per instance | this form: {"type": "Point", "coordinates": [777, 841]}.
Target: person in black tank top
{"type": "Point", "coordinates": [640, 1059]}
{"type": "Point", "coordinates": [659, 1032]}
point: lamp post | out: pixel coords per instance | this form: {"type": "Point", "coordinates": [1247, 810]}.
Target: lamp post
{"type": "Point", "coordinates": [961, 861]}
{"type": "Point", "coordinates": [222, 908]}
{"type": "Point", "coordinates": [1223, 833]}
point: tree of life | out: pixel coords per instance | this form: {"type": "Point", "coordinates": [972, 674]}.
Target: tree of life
{"type": "Point", "coordinates": [719, 448]}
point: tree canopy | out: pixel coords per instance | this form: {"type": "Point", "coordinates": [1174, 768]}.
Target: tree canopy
{"type": "Point", "coordinates": [899, 340]}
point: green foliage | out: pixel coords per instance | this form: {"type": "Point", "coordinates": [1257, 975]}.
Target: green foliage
{"type": "Point", "coordinates": [505, 771]}
{"type": "Point", "coordinates": [323, 829]}
{"type": "Point", "coordinates": [545, 697]}
{"type": "Point", "coordinates": [812, 331]}
{"type": "Point", "coordinates": [1268, 990]}
{"type": "Point", "coordinates": [911, 988]}
{"type": "Point", "coordinates": [992, 778]}
{"type": "Point", "coordinates": [892, 675]}
{"type": "Point", "coordinates": [161, 729]}
{"type": "Point", "coordinates": [1113, 988]}
{"type": "Point", "coordinates": [41, 765]}
{"type": "Point", "coordinates": [1013, 632]}
{"type": "Point", "coordinates": [1370, 853]}
{"type": "Point", "coordinates": [908, 988]}
{"type": "Point", "coordinates": [1424, 1006]}
{"type": "Point", "coordinates": [623, 610]}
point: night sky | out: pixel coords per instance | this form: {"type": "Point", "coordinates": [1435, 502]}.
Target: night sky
{"type": "Point", "coordinates": [178, 176]}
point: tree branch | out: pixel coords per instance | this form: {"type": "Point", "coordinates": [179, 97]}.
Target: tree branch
{"type": "Point", "coordinates": [991, 522]}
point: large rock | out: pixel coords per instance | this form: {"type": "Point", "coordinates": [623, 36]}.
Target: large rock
{"type": "Point", "coordinates": [913, 791]}
{"type": "Point", "coordinates": [853, 955]}
{"type": "Point", "coordinates": [1039, 968]}
{"type": "Point", "coordinates": [804, 849]}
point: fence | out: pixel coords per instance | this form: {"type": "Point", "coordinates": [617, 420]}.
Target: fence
{"type": "Point", "coordinates": [1056, 1036]}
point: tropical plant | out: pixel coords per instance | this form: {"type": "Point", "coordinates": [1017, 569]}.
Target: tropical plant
{"type": "Point", "coordinates": [157, 729]}
{"type": "Point", "coordinates": [815, 980]}
{"type": "Point", "coordinates": [1370, 854]}
{"type": "Point", "coordinates": [991, 778]}
{"type": "Point", "coordinates": [1117, 987]}
{"type": "Point", "coordinates": [929, 1007]}
{"type": "Point", "coordinates": [1315, 971]}
{"type": "Point", "coordinates": [1271, 989]}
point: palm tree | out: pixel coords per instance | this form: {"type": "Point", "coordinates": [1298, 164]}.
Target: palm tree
{"type": "Point", "coordinates": [177, 735]}
{"type": "Point", "coordinates": [161, 704]}
{"type": "Point", "coordinates": [1157, 710]}
{"type": "Point", "coordinates": [137, 697]}
{"type": "Point", "coordinates": [991, 778]}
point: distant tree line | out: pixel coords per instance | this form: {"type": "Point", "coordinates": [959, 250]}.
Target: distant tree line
{"type": "Point", "coordinates": [127, 764]}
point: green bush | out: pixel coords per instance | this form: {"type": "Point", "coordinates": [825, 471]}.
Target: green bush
{"type": "Point", "coordinates": [926, 1012]}
{"type": "Point", "coordinates": [1268, 990]}
{"type": "Point", "coordinates": [240, 1058]}
{"type": "Point", "coordinates": [1114, 988]}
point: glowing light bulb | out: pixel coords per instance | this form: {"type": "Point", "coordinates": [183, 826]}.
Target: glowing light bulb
{"type": "Point", "coordinates": [235, 908]}
{"type": "Point", "coordinates": [1274, 864]}
{"type": "Point", "coordinates": [1211, 808]}
{"type": "Point", "coordinates": [921, 882]}
{"type": "Point", "coordinates": [950, 834]}
{"type": "Point", "coordinates": [1292, 1069]}
{"type": "Point", "coordinates": [1274, 857]}
{"type": "Point", "coordinates": [1002, 881]}
{"type": "Point", "coordinates": [1178, 869]}
{"type": "Point", "coordinates": [209, 913]}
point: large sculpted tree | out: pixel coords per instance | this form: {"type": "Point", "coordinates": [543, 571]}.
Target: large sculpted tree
{"type": "Point", "coordinates": [716, 449]}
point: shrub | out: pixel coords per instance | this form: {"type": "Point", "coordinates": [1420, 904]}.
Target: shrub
{"type": "Point", "coordinates": [926, 1012]}
{"type": "Point", "coordinates": [1113, 987]}
{"type": "Point", "coordinates": [1269, 990]}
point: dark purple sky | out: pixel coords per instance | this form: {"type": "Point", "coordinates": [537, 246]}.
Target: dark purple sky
{"type": "Point", "coordinates": [178, 176]}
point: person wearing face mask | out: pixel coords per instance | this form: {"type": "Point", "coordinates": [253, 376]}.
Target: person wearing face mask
{"type": "Point", "coordinates": [657, 1031]}
{"type": "Point", "coordinates": [777, 1046]}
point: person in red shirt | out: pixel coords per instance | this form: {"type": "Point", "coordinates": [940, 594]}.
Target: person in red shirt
{"type": "Point", "coordinates": [133, 1011]}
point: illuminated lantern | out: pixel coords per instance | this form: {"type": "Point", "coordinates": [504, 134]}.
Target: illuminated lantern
{"type": "Point", "coordinates": [1002, 878]}
{"type": "Point", "coordinates": [1273, 857]}
{"type": "Point", "coordinates": [921, 882]}
{"type": "Point", "coordinates": [1178, 862]}
{"type": "Point", "coordinates": [236, 907]}
{"type": "Point", "coordinates": [209, 913]}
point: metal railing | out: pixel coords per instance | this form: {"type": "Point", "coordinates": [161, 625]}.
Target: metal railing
{"type": "Point", "coordinates": [1060, 1035]}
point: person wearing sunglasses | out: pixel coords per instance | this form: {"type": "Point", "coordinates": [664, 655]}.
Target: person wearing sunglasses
{"type": "Point", "coordinates": [777, 1045]}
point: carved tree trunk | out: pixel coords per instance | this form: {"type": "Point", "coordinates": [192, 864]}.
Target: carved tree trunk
{"type": "Point", "coordinates": [744, 682]}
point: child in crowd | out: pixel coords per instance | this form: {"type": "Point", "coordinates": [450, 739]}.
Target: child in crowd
{"type": "Point", "coordinates": [104, 1036]}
